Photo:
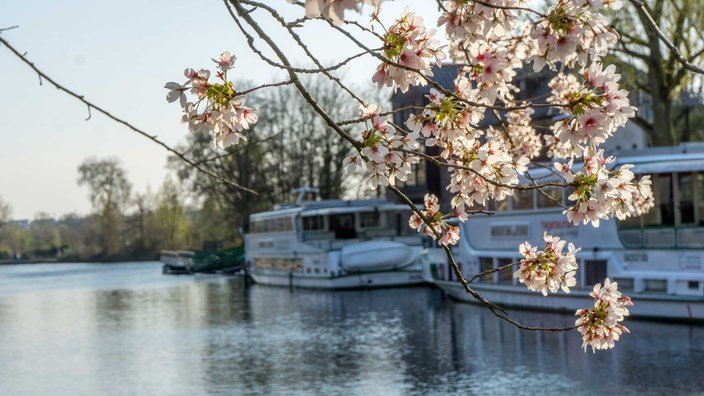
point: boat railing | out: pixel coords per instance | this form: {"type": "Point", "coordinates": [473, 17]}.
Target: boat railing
{"type": "Point", "coordinates": [377, 233]}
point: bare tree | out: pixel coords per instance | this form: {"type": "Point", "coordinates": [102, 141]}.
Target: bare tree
{"type": "Point", "coordinates": [223, 207]}
{"type": "Point", "coordinates": [302, 150]}
{"type": "Point", "coordinates": [652, 68]}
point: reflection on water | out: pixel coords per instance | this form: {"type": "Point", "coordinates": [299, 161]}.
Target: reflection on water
{"type": "Point", "coordinates": [125, 329]}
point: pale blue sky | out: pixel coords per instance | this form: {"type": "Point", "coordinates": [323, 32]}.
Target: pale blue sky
{"type": "Point", "coordinates": [118, 54]}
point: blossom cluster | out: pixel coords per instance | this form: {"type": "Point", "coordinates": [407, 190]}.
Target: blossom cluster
{"type": "Point", "coordinates": [449, 233]}
{"type": "Point", "coordinates": [599, 324]}
{"type": "Point", "coordinates": [386, 152]}
{"type": "Point", "coordinates": [573, 32]}
{"type": "Point", "coordinates": [484, 171]}
{"type": "Point", "coordinates": [446, 119]}
{"type": "Point", "coordinates": [477, 34]}
{"type": "Point", "coordinates": [550, 269]}
{"type": "Point", "coordinates": [600, 193]}
{"type": "Point", "coordinates": [594, 109]}
{"type": "Point", "coordinates": [218, 108]}
{"type": "Point", "coordinates": [464, 19]}
{"type": "Point", "coordinates": [519, 135]}
{"type": "Point", "coordinates": [410, 45]}
{"type": "Point", "coordinates": [480, 169]}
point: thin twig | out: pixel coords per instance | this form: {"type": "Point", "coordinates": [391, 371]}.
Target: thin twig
{"type": "Point", "coordinates": [121, 121]}
{"type": "Point", "coordinates": [293, 76]}
{"type": "Point", "coordinates": [302, 45]}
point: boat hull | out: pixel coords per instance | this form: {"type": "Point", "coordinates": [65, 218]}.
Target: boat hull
{"type": "Point", "coordinates": [350, 281]}
{"type": "Point", "coordinates": [175, 269]}
{"type": "Point", "coordinates": [645, 306]}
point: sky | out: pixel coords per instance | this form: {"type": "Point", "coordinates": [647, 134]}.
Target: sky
{"type": "Point", "coordinates": [119, 55]}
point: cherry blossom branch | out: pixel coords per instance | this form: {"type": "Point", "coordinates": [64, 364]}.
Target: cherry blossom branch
{"type": "Point", "coordinates": [490, 271]}
{"type": "Point", "coordinates": [93, 106]}
{"type": "Point", "coordinates": [429, 81]}
{"type": "Point", "coordinates": [250, 43]}
{"type": "Point", "coordinates": [443, 164]}
{"type": "Point", "coordinates": [514, 8]}
{"type": "Point", "coordinates": [495, 309]}
{"type": "Point", "coordinates": [294, 78]}
{"type": "Point", "coordinates": [484, 163]}
{"type": "Point", "coordinates": [270, 85]}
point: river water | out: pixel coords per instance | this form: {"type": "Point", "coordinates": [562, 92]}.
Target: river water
{"type": "Point", "coordinates": [126, 329]}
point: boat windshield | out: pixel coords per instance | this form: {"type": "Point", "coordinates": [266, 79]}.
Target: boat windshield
{"type": "Point", "coordinates": [362, 225]}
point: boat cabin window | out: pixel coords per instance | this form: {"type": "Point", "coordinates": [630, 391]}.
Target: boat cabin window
{"type": "Point", "coordinates": [662, 189]}
{"type": "Point", "coordinates": [399, 223]}
{"type": "Point", "coordinates": [486, 264]}
{"type": "Point", "coordinates": [506, 274]}
{"type": "Point", "coordinates": [278, 224]}
{"type": "Point", "coordinates": [656, 285]}
{"type": "Point", "coordinates": [624, 284]}
{"type": "Point", "coordinates": [370, 219]}
{"type": "Point", "coordinates": [594, 272]}
{"type": "Point", "coordinates": [522, 200]}
{"type": "Point", "coordinates": [676, 220]}
{"type": "Point", "coordinates": [372, 224]}
{"type": "Point", "coordinates": [498, 206]}
{"type": "Point", "coordinates": [313, 223]}
{"type": "Point", "coordinates": [549, 197]}
{"type": "Point", "coordinates": [343, 226]}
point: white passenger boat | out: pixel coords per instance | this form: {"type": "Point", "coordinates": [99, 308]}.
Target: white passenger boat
{"type": "Point", "coordinates": [334, 244]}
{"type": "Point", "coordinates": [657, 259]}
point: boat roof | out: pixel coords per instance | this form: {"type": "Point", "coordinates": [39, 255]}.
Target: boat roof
{"type": "Point", "coordinates": [684, 158]}
{"type": "Point", "coordinates": [331, 206]}
{"type": "Point", "coordinates": [687, 157]}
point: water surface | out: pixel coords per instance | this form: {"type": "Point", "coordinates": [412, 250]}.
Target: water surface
{"type": "Point", "coordinates": [126, 329]}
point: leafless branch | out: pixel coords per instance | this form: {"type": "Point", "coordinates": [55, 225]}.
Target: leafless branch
{"type": "Point", "coordinates": [119, 120]}
{"type": "Point", "coordinates": [673, 49]}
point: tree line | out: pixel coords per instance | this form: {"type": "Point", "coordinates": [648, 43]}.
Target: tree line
{"type": "Point", "coordinates": [290, 147]}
